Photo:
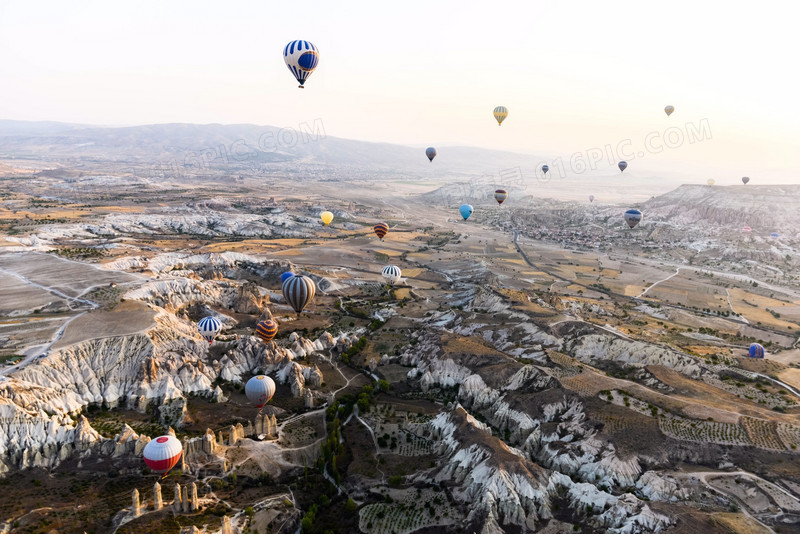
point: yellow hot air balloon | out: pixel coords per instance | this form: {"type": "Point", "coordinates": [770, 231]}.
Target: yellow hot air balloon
{"type": "Point", "coordinates": [500, 114]}
{"type": "Point", "coordinates": [668, 110]}
{"type": "Point", "coordinates": [710, 181]}
{"type": "Point", "coordinates": [326, 217]}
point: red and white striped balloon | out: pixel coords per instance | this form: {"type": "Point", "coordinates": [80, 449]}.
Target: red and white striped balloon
{"type": "Point", "coordinates": [163, 453]}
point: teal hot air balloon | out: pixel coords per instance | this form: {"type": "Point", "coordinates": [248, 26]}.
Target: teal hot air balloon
{"type": "Point", "coordinates": [465, 210]}
{"type": "Point", "coordinates": [622, 165]}
{"type": "Point", "coordinates": [431, 153]}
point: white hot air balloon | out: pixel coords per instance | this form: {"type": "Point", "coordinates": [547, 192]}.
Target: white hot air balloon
{"type": "Point", "coordinates": [259, 390]}
{"type": "Point", "coordinates": [392, 274]}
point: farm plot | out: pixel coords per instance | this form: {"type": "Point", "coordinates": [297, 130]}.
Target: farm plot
{"type": "Point", "coordinates": [410, 511]}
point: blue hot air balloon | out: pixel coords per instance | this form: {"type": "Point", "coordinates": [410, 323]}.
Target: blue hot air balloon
{"type": "Point", "coordinates": [545, 168]}
{"type": "Point", "coordinates": [287, 274]}
{"type": "Point", "coordinates": [774, 234]}
{"type": "Point", "coordinates": [622, 165]}
{"type": "Point", "coordinates": [465, 210]}
{"type": "Point", "coordinates": [302, 58]}
{"type": "Point", "coordinates": [756, 351]}
{"type": "Point", "coordinates": [633, 217]}
{"type": "Point", "coordinates": [430, 152]}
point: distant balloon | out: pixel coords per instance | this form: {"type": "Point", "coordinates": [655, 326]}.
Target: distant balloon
{"type": "Point", "coordinates": [392, 274]}
{"type": "Point", "coordinates": [287, 274]}
{"type": "Point", "coordinates": [710, 181]}
{"type": "Point", "coordinates": [756, 351]}
{"type": "Point", "coordinates": [327, 217]}
{"type": "Point", "coordinates": [298, 291]}
{"type": "Point", "coordinates": [431, 153]}
{"type": "Point", "coordinates": [622, 165]}
{"type": "Point", "coordinates": [259, 390]}
{"type": "Point", "coordinates": [267, 330]}
{"type": "Point", "coordinates": [209, 327]}
{"type": "Point", "coordinates": [774, 234]}
{"type": "Point", "coordinates": [465, 210]}
{"type": "Point", "coordinates": [545, 168]}
{"type": "Point", "coordinates": [162, 454]}
{"type": "Point", "coordinates": [745, 180]}
{"type": "Point", "coordinates": [302, 58]}
{"type": "Point", "coordinates": [668, 110]}
{"type": "Point", "coordinates": [591, 198]}
{"type": "Point", "coordinates": [381, 229]}
{"type": "Point", "coordinates": [747, 229]}
{"type": "Point", "coordinates": [633, 217]}
{"type": "Point", "coordinates": [500, 195]}
{"type": "Point", "coordinates": [500, 114]}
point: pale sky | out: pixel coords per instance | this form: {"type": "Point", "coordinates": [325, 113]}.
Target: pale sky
{"type": "Point", "coordinates": [574, 75]}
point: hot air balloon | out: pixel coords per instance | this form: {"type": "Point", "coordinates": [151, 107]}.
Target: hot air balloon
{"type": "Point", "coordinates": [209, 327]}
{"type": "Point", "coordinates": [302, 58]}
{"type": "Point", "coordinates": [267, 330]}
{"type": "Point", "coordinates": [545, 168]}
{"type": "Point", "coordinates": [668, 110]}
{"type": "Point", "coordinates": [745, 179]}
{"type": "Point", "coordinates": [500, 114]}
{"type": "Point", "coordinates": [747, 229]}
{"type": "Point", "coordinates": [259, 390]}
{"type": "Point", "coordinates": [756, 351]}
{"type": "Point", "coordinates": [430, 152]}
{"type": "Point", "coordinates": [287, 274]}
{"type": "Point", "coordinates": [162, 454]}
{"type": "Point", "coordinates": [710, 181]}
{"type": "Point", "coordinates": [465, 210]}
{"type": "Point", "coordinates": [622, 165]}
{"type": "Point", "coordinates": [591, 198]}
{"type": "Point", "coordinates": [392, 274]}
{"type": "Point", "coordinates": [500, 195]}
{"type": "Point", "coordinates": [381, 229]}
{"type": "Point", "coordinates": [298, 291]}
{"type": "Point", "coordinates": [326, 217]}
{"type": "Point", "coordinates": [633, 217]}
{"type": "Point", "coordinates": [774, 234]}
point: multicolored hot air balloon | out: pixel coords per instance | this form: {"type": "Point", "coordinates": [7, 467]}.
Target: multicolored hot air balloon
{"type": "Point", "coordinates": [668, 110]}
{"type": "Point", "coordinates": [622, 165]}
{"type": "Point", "coordinates": [267, 330]}
{"type": "Point", "coordinates": [259, 390]}
{"type": "Point", "coordinates": [298, 291]}
{"type": "Point", "coordinates": [500, 114]}
{"type": "Point", "coordinates": [710, 181]}
{"type": "Point", "coordinates": [392, 274]}
{"type": "Point", "coordinates": [163, 453]}
{"type": "Point", "coordinates": [591, 198]}
{"type": "Point", "coordinates": [327, 217]}
{"type": "Point", "coordinates": [465, 210]}
{"type": "Point", "coordinates": [500, 195]}
{"type": "Point", "coordinates": [381, 229]}
{"type": "Point", "coordinates": [302, 58]}
{"type": "Point", "coordinates": [431, 153]}
{"type": "Point", "coordinates": [287, 274]}
{"type": "Point", "coordinates": [209, 327]}
{"type": "Point", "coordinates": [545, 168]}
{"type": "Point", "coordinates": [633, 217]}
{"type": "Point", "coordinates": [745, 179]}
{"type": "Point", "coordinates": [756, 351]}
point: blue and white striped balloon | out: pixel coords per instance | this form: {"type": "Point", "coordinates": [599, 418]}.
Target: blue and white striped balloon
{"type": "Point", "coordinates": [209, 327]}
{"type": "Point", "coordinates": [302, 58]}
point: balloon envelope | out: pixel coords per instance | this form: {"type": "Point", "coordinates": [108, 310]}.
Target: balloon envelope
{"type": "Point", "coordinates": [430, 152]}
{"type": "Point", "coordinates": [747, 229]}
{"type": "Point", "coordinates": [326, 217]}
{"type": "Point", "coordinates": [668, 110]}
{"type": "Point", "coordinates": [302, 58]}
{"type": "Point", "coordinates": [545, 168]}
{"type": "Point", "coordinates": [267, 330]}
{"type": "Point", "coordinates": [259, 390]}
{"type": "Point", "coordinates": [745, 179]}
{"type": "Point", "coordinates": [209, 327]}
{"type": "Point", "coordinates": [465, 210]}
{"type": "Point", "coordinates": [381, 229]}
{"type": "Point", "coordinates": [774, 234]}
{"type": "Point", "coordinates": [392, 274]}
{"type": "Point", "coordinates": [710, 181]}
{"type": "Point", "coordinates": [622, 165]}
{"type": "Point", "coordinates": [500, 195]}
{"type": "Point", "coordinates": [287, 274]}
{"type": "Point", "coordinates": [500, 114]}
{"type": "Point", "coordinates": [591, 198]}
{"type": "Point", "coordinates": [756, 350]}
{"type": "Point", "coordinates": [633, 217]}
{"type": "Point", "coordinates": [298, 291]}
{"type": "Point", "coordinates": [162, 454]}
